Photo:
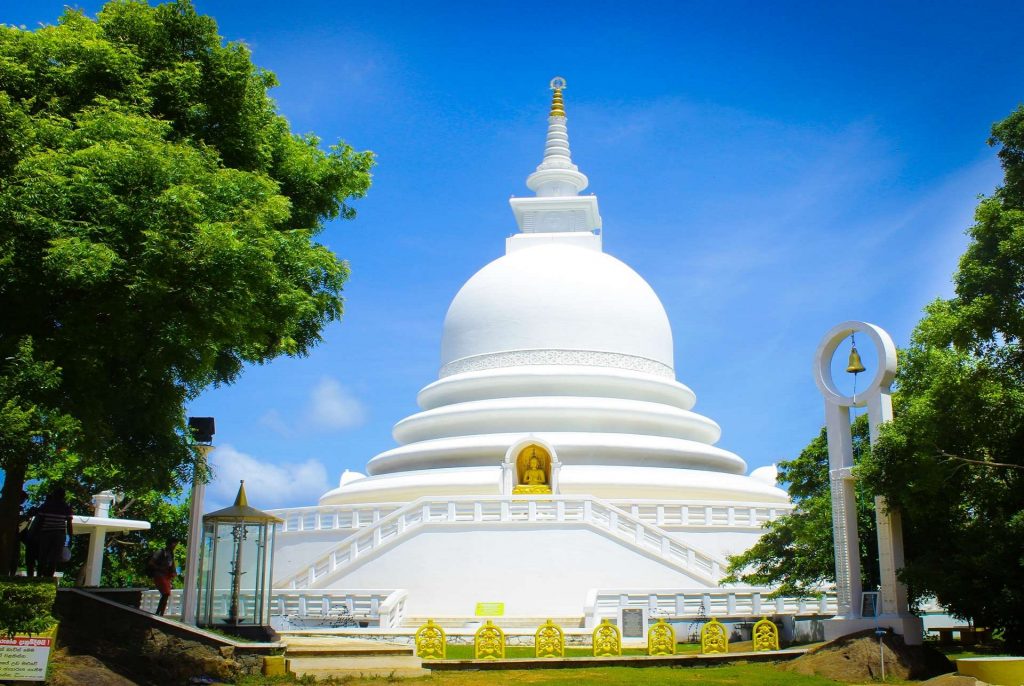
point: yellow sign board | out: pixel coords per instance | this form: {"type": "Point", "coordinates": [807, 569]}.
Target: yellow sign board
{"type": "Point", "coordinates": [490, 609]}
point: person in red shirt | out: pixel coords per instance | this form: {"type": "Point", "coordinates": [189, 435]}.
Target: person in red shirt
{"type": "Point", "coordinates": [163, 570]}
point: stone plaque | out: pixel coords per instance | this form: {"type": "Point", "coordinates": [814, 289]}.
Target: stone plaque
{"type": "Point", "coordinates": [632, 623]}
{"type": "Point", "coordinates": [869, 604]}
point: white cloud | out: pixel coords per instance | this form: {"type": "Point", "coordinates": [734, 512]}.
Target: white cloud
{"type": "Point", "coordinates": [331, 406]}
{"type": "Point", "coordinates": [273, 420]}
{"type": "Point", "coordinates": [267, 485]}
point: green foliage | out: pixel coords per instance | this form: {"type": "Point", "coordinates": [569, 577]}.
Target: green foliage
{"type": "Point", "coordinates": [952, 459]}
{"type": "Point", "coordinates": [157, 233]}
{"type": "Point", "coordinates": [32, 431]}
{"type": "Point", "coordinates": [762, 674]}
{"type": "Point", "coordinates": [795, 554]}
{"type": "Point", "coordinates": [127, 553]}
{"type": "Point", "coordinates": [25, 605]}
{"type": "Point", "coordinates": [29, 422]}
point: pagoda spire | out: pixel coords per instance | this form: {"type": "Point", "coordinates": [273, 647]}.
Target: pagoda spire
{"type": "Point", "coordinates": [556, 175]}
{"type": "Point", "coordinates": [557, 206]}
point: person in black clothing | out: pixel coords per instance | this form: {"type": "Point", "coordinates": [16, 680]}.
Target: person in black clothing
{"type": "Point", "coordinates": [27, 536]}
{"type": "Point", "coordinates": [52, 529]}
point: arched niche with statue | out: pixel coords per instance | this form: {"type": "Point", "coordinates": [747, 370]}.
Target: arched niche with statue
{"type": "Point", "coordinates": [530, 468]}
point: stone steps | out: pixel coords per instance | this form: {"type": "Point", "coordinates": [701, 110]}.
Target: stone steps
{"type": "Point", "coordinates": [386, 666]}
{"type": "Point", "coordinates": [359, 651]}
{"type": "Point", "coordinates": [330, 656]}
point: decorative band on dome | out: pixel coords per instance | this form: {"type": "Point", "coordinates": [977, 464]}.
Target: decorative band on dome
{"type": "Point", "coordinates": [579, 358]}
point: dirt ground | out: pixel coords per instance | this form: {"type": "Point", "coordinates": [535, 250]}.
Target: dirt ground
{"type": "Point", "coordinates": [859, 658]}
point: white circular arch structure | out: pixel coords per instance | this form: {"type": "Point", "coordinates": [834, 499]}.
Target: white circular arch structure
{"type": "Point", "coordinates": [830, 342]}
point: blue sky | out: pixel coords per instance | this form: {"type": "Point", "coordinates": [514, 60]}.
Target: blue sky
{"type": "Point", "coordinates": [771, 169]}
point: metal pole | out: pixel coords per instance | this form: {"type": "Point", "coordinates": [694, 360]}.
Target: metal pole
{"type": "Point", "coordinates": [195, 533]}
{"type": "Point", "coordinates": [881, 655]}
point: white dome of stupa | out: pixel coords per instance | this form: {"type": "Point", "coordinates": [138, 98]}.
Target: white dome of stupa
{"type": "Point", "coordinates": [550, 300]}
{"type": "Point", "coordinates": [560, 345]}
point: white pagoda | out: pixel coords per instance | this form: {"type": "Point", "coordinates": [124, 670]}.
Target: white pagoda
{"type": "Point", "coordinates": [556, 459]}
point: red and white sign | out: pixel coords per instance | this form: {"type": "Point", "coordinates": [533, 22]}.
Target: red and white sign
{"type": "Point", "coordinates": [24, 658]}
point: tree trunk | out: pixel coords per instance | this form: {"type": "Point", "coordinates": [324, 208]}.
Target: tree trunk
{"type": "Point", "coordinates": [10, 509]}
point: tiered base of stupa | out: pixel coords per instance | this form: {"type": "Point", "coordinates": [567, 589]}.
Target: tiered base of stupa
{"type": "Point", "coordinates": [538, 556]}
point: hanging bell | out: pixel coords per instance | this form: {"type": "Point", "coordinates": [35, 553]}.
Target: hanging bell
{"type": "Point", "coordinates": [854, 365]}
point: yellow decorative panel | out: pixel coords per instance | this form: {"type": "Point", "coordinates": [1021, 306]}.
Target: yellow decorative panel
{"type": "Point", "coordinates": [607, 640]}
{"type": "Point", "coordinates": [766, 635]}
{"type": "Point", "coordinates": [714, 638]}
{"type": "Point", "coordinates": [661, 639]}
{"type": "Point", "coordinates": [430, 642]}
{"type": "Point", "coordinates": [549, 641]}
{"type": "Point", "coordinates": [523, 489]}
{"type": "Point", "coordinates": [489, 642]}
{"type": "Point", "coordinates": [490, 609]}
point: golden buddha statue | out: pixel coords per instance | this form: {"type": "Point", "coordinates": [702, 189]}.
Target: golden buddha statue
{"type": "Point", "coordinates": [534, 479]}
{"type": "Point", "coordinates": [534, 476]}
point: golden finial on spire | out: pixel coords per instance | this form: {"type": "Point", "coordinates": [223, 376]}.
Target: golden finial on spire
{"type": "Point", "coordinates": [557, 107]}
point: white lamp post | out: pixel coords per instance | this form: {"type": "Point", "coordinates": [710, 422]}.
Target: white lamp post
{"type": "Point", "coordinates": [202, 429]}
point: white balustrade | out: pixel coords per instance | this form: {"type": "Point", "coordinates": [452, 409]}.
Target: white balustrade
{"type": "Point", "coordinates": [385, 609]}
{"type": "Point", "coordinates": [693, 515]}
{"type": "Point", "coordinates": [702, 602]}
{"type": "Point", "coordinates": [391, 612]}
{"type": "Point", "coordinates": [332, 517]}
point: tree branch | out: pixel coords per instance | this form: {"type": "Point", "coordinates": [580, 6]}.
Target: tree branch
{"type": "Point", "coordinates": [983, 463]}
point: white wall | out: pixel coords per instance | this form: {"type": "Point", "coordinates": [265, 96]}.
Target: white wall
{"type": "Point", "coordinates": [535, 572]}
{"type": "Point", "coordinates": [718, 541]}
{"type": "Point", "coordinates": [294, 552]}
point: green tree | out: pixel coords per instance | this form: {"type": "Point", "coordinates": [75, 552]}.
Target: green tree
{"type": "Point", "coordinates": [795, 554]}
{"type": "Point", "coordinates": [30, 426]}
{"type": "Point", "coordinates": [953, 458]}
{"type": "Point", "coordinates": [126, 553]}
{"type": "Point", "coordinates": [157, 233]}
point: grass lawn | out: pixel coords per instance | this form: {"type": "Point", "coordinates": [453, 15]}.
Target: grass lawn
{"type": "Point", "coordinates": [728, 675]}
{"type": "Point", "coordinates": [465, 652]}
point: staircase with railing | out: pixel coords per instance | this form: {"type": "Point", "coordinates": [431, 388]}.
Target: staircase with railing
{"type": "Point", "coordinates": [497, 511]}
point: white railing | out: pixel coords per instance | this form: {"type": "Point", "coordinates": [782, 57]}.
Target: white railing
{"type": "Point", "coordinates": [501, 510]}
{"type": "Point", "coordinates": [698, 515]}
{"type": "Point", "coordinates": [692, 603]}
{"type": "Point", "coordinates": [385, 609]}
{"type": "Point", "coordinates": [690, 515]}
{"type": "Point", "coordinates": [392, 610]}
{"type": "Point", "coordinates": [150, 600]}
{"type": "Point", "coordinates": [332, 517]}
